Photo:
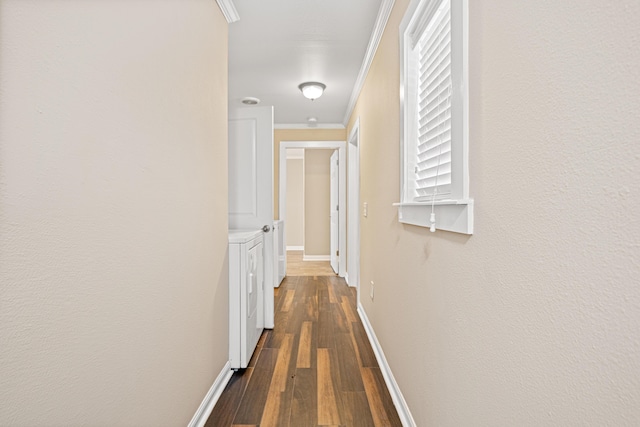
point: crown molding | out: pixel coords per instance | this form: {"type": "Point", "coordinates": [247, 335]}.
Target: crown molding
{"type": "Point", "coordinates": [229, 10]}
{"type": "Point", "coordinates": [376, 35]}
{"type": "Point", "coordinates": [304, 126]}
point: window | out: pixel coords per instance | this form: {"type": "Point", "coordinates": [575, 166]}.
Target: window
{"type": "Point", "coordinates": [434, 104]}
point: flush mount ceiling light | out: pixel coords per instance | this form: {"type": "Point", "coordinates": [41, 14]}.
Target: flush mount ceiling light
{"type": "Point", "coordinates": [249, 100]}
{"type": "Point", "coordinates": [312, 90]}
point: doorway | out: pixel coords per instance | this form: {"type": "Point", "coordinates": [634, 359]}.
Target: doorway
{"type": "Point", "coordinates": [340, 148]}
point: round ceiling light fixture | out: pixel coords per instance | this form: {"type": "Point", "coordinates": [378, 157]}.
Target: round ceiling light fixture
{"type": "Point", "coordinates": [249, 100]}
{"type": "Point", "coordinates": [312, 90]}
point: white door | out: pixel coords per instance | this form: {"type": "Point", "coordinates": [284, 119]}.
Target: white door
{"type": "Point", "coordinates": [251, 184]}
{"type": "Point", "coordinates": [333, 211]}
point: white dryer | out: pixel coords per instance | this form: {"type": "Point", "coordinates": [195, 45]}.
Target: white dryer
{"type": "Point", "coordinates": [246, 295]}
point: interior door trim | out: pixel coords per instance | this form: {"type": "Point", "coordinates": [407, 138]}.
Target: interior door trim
{"type": "Point", "coordinates": [341, 146]}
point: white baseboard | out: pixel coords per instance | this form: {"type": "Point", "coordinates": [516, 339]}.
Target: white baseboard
{"type": "Point", "coordinates": [295, 248]}
{"type": "Point", "coordinates": [204, 411]}
{"type": "Point", "coordinates": [396, 395]}
{"type": "Point", "coordinates": [316, 257]}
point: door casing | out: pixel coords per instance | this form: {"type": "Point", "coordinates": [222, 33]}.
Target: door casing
{"type": "Point", "coordinates": [353, 209]}
{"type": "Point", "coordinates": [334, 211]}
{"type": "Point", "coordinates": [341, 146]}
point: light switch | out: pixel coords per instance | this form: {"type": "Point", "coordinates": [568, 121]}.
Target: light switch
{"type": "Point", "coordinates": [365, 209]}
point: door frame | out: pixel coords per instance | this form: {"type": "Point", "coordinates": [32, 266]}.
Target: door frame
{"type": "Point", "coordinates": [353, 208]}
{"type": "Point", "coordinates": [334, 211]}
{"type": "Point", "coordinates": [341, 146]}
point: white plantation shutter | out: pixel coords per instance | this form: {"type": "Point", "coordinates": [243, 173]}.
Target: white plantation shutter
{"type": "Point", "coordinates": [433, 162]}
{"type": "Point", "coordinates": [434, 108]}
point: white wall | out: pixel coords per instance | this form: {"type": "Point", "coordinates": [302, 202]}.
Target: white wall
{"type": "Point", "coordinates": [533, 320]}
{"type": "Point", "coordinates": [113, 210]}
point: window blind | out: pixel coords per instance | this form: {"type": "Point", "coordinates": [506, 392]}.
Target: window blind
{"type": "Point", "coordinates": [433, 162]}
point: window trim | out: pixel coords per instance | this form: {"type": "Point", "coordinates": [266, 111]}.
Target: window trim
{"type": "Point", "coordinates": [454, 214]}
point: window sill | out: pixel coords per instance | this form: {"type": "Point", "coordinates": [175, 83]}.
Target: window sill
{"type": "Point", "coordinates": [451, 215]}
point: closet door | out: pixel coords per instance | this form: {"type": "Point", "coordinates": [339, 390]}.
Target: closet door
{"type": "Point", "coordinates": [251, 183]}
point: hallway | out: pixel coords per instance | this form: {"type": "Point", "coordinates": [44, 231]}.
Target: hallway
{"type": "Point", "coordinates": [315, 368]}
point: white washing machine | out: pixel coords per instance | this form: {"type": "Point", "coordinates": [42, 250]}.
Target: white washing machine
{"type": "Point", "coordinates": [246, 295]}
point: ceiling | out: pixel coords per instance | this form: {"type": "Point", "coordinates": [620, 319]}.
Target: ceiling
{"type": "Point", "coordinates": [278, 44]}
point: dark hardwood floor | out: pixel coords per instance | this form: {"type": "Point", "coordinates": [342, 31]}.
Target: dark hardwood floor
{"type": "Point", "coordinates": [315, 368]}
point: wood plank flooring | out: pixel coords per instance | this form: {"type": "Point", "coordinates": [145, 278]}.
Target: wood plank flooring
{"type": "Point", "coordinates": [297, 267]}
{"type": "Point", "coordinates": [315, 368]}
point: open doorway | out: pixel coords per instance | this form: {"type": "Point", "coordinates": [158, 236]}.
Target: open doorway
{"type": "Point", "coordinates": [319, 210]}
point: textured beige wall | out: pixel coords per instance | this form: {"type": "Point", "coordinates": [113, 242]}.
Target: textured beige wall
{"type": "Point", "coordinates": [113, 211]}
{"type": "Point", "coordinates": [317, 180]}
{"type": "Point", "coordinates": [534, 319]}
{"type": "Point", "coordinates": [298, 135]}
{"type": "Point", "coordinates": [295, 202]}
